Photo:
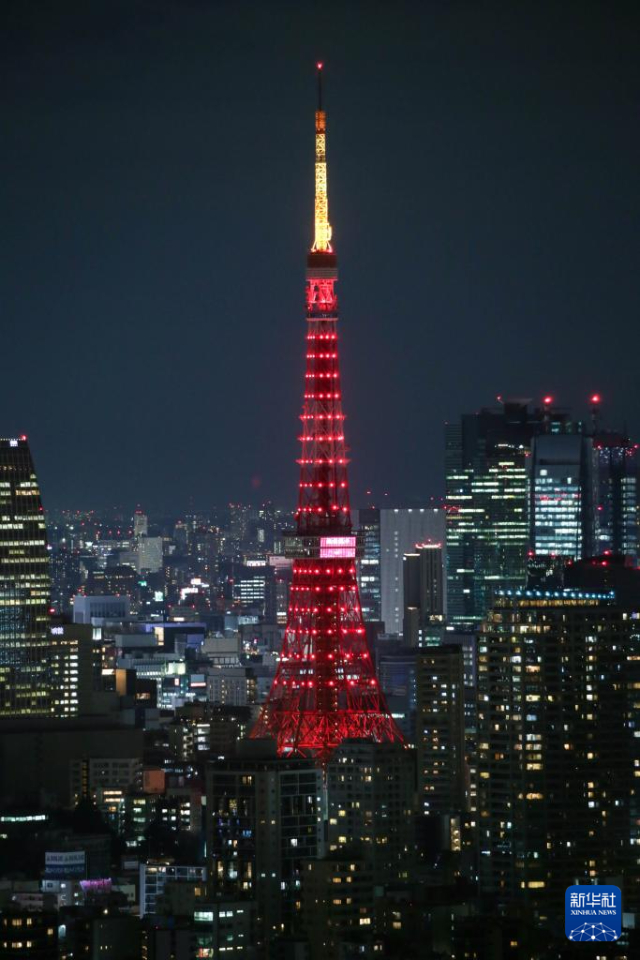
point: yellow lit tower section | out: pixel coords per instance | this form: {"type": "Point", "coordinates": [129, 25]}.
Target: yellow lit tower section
{"type": "Point", "coordinates": [322, 239]}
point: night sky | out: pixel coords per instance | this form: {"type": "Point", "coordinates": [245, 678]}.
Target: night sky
{"type": "Point", "coordinates": [157, 194]}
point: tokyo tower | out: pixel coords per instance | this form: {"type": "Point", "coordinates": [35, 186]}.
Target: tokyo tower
{"type": "Point", "coordinates": [325, 688]}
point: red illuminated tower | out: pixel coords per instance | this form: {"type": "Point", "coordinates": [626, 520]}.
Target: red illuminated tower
{"type": "Point", "coordinates": [325, 688]}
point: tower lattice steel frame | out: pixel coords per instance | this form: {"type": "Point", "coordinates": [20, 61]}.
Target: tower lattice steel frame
{"type": "Point", "coordinates": [325, 689]}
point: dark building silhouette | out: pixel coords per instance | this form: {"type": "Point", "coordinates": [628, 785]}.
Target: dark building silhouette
{"type": "Point", "coordinates": [423, 595]}
{"type": "Point", "coordinates": [263, 820]}
{"type": "Point", "coordinates": [440, 731]}
{"type": "Point", "coordinates": [617, 499]}
{"type": "Point", "coordinates": [25, 933]}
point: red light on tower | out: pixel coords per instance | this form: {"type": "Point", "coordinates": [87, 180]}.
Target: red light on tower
{"type": "Point", "coordinates": [325, 689]}
{"type": "Point", "coordinates": [595, 399]}
{"type": "Point", "coordinates": [547, 400]}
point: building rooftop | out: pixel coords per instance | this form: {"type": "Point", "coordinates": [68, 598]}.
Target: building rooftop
{"type": "Point", "coordinates": [556, 594]}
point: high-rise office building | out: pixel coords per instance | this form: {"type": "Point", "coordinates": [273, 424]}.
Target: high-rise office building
{"type": "Point", "coordinates": [400, 531]}
{"type": "Point", "coordinates": [558, 714]}
{"type": "Point", "coordinates": [371, 804]}
{"type": "Point", "coordinates": [562, 495]}
{"type": "Point", "coordinates": [468, 643]}
{"type": "Point", "coordinates": [140, 524]}
{"type": "Point", "coordinates": [250, 589]}
{"type": "Point", "coordinates": [526, 487]}
{"type": "Point", "coordinates": [396, 666]}
{"type": "Point", "coordinates": [487, 506]}
{"type": "Point", "coordinates": [338, 907]}
{"type": "Point", "coordinates": [149, 554]}
{"type": "Point", "coordinates": [617, 529]}
{"type": "Point", "coordinates": [440, 731]}
{"type": "Point", "coordinates": [264, 818]}
{"type": "Point", "coordinates": [72, 666]}
{"type": "Point", "coordinates": [368, 523]}
{"type": "Point", "coordinates": [424, 585]}
{"type": "Point", "coordinates": [25, 587]}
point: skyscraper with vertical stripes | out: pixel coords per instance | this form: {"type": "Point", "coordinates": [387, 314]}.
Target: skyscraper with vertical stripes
{"type": "Point", "coordinates": [25, 587]}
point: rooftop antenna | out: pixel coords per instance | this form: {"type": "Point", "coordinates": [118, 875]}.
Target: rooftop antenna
{"type": "Point", "coordinates": [595, 410]}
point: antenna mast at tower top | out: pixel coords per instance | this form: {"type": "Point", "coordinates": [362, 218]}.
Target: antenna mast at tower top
{"type": "Point", "coordinates": [322, 235]}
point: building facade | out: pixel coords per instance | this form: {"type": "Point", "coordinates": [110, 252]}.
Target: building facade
{"type": "Point", "coordinates": [25, 587]}
{"type": "Point", "coordinates": [424, 600]}
{"type": "Point", "coordinates": [156, 874]}
{"type": "Point", "coordinates": [368, 523]}
{"type": "Point", "coordinates": [400, 531]}
{"type": "Point", "coordinates": [264, 818]}
{"type": "Point", "coordinates": [563, 493]}
{"type": "Point", "coordinates": [487, 507]}
{"type": "Point", "coordinates": [558, 676]}
{"type": "Point", "coordinates": [617, 501]}
{"type": "Point", "coordinates": [371, 805]}
{"type": "Point", "coordinates": [72, 664]}
{"type": "Point", "coordinates": [440, 731]}
{"type": "Point", "coordinates": [338, 907]}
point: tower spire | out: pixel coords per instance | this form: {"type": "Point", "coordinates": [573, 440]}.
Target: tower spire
{"type": "Point", "coordinates": [322, 236]}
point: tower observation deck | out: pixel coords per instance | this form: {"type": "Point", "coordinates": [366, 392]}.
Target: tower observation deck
{"type": "Point", "coordinates": [325, 689]}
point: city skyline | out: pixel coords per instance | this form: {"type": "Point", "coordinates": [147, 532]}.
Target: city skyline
{"type": "Point", "coordinates": [399, 719]}
{"type": "Point", "coordinates": [139, 185]}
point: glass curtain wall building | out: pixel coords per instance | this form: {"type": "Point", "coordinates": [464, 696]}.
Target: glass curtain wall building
{"type": "Point", "coordinates": [487, 507]}
{"type": "Point", "coordinates": [563, 492]}
{"type": "Point", "coordinates": [616, 459]}
{"type": "Point", "coordinates": [25, 587]}
{"type": "Point", "coordinates": [368, 521]}
{"type": "Point", "coordinates": [526, 487]}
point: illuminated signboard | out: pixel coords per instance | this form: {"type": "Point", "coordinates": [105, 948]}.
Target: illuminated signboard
{"type": "Point", "coordinates": [60, 865]}
{"type": "Point", "coordinates": [337, 548]}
